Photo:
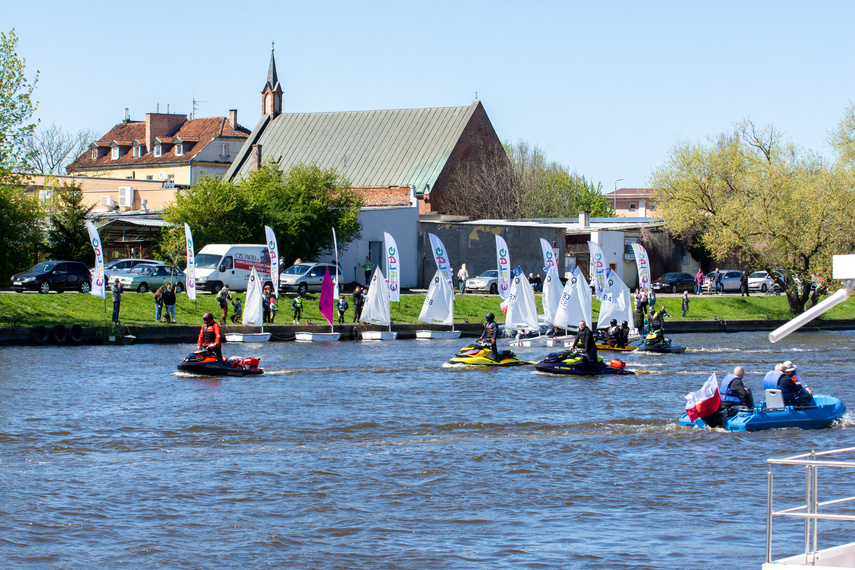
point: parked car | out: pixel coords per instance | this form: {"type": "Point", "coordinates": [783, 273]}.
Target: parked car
{"type": "Point", "coordinates": [144, 277]}
{"type": "Point", "coordinates": [487, 281]}
{"type": "Point", "coordinates": [674, 282]}
{"type": "Point", "coordinates": [53, 276]}
{"type": "Point", "coordinates": [122, 265]}
{"type": "Point", "coordinates": [305, 277]}
{"type": "Point", "coordinates": [762, 281]}
{"type": "Point", "coordinates": [729, 280]}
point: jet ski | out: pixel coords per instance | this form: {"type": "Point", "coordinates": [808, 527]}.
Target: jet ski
{"type": "Point", "coordinates": [821, 413]}
{"type": "Point", "coordinates": [574, 362]}
{"type": "Point", "coordinates": [206, 363]}
{"type": "Point", "coordinates": [656, 342]}
{"type": "Point", "coordinates": [479, 354]}
{"type": "Point", "coordinates": [607, 346]}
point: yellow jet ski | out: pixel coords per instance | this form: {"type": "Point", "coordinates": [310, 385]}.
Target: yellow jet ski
{"type": "Point", "coordinates": [479, 354]}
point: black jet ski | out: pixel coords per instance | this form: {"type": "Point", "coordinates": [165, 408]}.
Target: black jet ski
{"type": "Point", "coordinates": [206, 363]}
{"type": "Point", "coordinates": [479, 354]}
{"type": "Point", "coordinates": [575, 362]}
{"type": "Point", "coordinates": [656, 342]}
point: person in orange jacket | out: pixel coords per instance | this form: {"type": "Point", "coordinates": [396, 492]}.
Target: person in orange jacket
{"type": "Point", "coordinates": [210, 336]}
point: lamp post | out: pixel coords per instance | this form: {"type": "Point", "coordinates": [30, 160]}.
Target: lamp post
{"type": "Point", "coordinates": [614, 196]}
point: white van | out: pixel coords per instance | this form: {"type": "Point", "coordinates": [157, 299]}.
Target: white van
{"type": "Point", "coordinates": [230, 264]}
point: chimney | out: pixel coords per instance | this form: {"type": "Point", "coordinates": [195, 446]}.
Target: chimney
{"type": "Point", "coordinates": [127, 115]}
{"type": "Point", "coordinates": [255, 157]}
{"type": "Point", "coordinates": [233, 118]}
{"type": "Point", "coordinates": [584, 219]}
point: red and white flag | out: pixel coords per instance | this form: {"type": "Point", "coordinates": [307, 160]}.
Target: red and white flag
{"type": "Point", "coordinates": [705, 401]}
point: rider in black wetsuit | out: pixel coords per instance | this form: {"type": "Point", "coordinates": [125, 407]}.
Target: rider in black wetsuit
{"type": "Point", "coordinates": [490, 334]}
{"type": "Point", "coordinates": [585, 340]}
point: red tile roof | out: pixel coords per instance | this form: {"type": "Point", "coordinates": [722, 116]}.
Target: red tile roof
{"type": "Point", "coordinates": [379, 196]}
{"type": "Point", "coordinates": [197, 132]}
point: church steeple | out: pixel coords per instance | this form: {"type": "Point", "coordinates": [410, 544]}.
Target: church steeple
{"type": "Point", "coordinates": [271, 95]}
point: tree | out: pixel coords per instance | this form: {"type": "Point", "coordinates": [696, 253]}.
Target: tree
{"type": "Point", "coordinates": [51, 149]}
{"type": "Point", "coordinates": [521, 183]}
{"type": "Point", "coordinates": [16, 109]}
{"type": "Point", "coordinates": [750, 192]}
{"type": "Point", "coordinates": [301, 206]}
{"type": "Point", "coordinates": [67, 235]}
{"type": "Point", "coordinates": [20, 230]}
{"type": "Point", "coordinates": [843, 137]}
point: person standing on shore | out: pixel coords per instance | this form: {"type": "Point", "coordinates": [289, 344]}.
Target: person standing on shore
{"type": "Point", "coordinates": [169, 301]}
{"type": "Point", "coordinates": [116, 289]}
{"type": "Point", "coordinates": [462, 276]}
{"type": "Point", "coordinates": [368, 266]}
{"type": "Point", "coordinates": [297, 305]}
{"type": "Point", "coordinates": [699, 282]}
{"type": "Point", "coordinates": [158, 303]}
{"type": "Point", "coordinates": [743, 284]}
{"type": "Point", "coordinates": [358, 302]}
{"type": "Point", "coordinates": [685, 302]}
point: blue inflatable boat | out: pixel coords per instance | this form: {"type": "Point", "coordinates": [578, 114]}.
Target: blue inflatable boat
{"type": "Point", "coordinates": [822, 413]}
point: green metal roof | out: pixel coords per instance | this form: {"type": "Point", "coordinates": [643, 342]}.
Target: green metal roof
{"type": "Point", "coordinates": [406, 147]}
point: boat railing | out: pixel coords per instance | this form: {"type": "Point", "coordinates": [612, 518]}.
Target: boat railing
{"type": "Point", "coordinates": [810, 510]}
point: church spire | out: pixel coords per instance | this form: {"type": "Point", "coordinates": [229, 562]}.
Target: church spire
{"type": "Point", "coordinates": [272, 80]}
{"type": "Point", "coordinates": [271, 95]}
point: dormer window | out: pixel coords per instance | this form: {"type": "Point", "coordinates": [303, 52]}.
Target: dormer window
{"type": "Point", "coordinates": [115, 153]}
{"type": "Point", "coordinates": [137, 151]}
{"type": "Point", "coordinates": [179, 149]}
{"type": "Point", "coordinates": [224, 150]}
{"type": "Point", "coordinates": [158, 149]}
{"type": "Point", "coordinates": [94, 154]}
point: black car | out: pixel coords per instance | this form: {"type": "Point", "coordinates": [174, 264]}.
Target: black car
{"type": "Point", "coordinates": [53, 276]}
{"type": "Point", "coordinates": [674, 282]}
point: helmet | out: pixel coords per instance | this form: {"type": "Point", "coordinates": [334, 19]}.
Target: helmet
{"type": "Point", "coordinates": [207, 317]}
{"type": "Point", "coordinates": [613, 322]}
{"type": "Point", "coordinates": [489, 317]}
{"type": "Point", "coordinates": [624, 324]}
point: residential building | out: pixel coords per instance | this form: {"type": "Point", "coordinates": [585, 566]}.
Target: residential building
{"type": "Point", "coordinates": [169, 148]}
{"type": "Point", "coordinates": [632, 202]}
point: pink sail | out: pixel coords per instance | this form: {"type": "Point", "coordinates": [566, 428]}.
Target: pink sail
{"type": "Point", "coordinates": [326, 303]}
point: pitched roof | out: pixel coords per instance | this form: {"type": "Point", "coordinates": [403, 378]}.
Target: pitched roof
{"type": "Point", "coordinates": [198, 131]}
{"type": "Point", "coordinates": [401, 147]}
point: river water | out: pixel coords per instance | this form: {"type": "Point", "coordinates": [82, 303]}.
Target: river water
{"type": "Point", "coordinates": [375, 455]}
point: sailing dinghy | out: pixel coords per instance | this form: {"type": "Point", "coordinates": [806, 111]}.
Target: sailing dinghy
{"type": "Point", "coordinates": [438, 308]}
{"type": "Point", "coordinates": [252, 313]}
{"type": "Point", "coordinates": [378, 309]}
{"type": "Point", "coordinates": [326, 307]}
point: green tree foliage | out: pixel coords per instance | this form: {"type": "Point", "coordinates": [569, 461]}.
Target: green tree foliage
{"type": "Point", "coordinates": [751, 193]}
{"type": "Point", "coordinates": [67, 235]}
{"type": "Point", "coordinates": [521, 183]}
{"type": "Point", "coordinates": [843, 137]}
{"type": "Point", "coordinates": [301, 205]}
{"type": "Point", "coordinates": [20, 230]}
{"type": "Point", "coordinates": [16, 109]}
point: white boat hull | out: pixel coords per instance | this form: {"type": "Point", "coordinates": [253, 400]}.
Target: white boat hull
{"type": "Point", "coordinates": [317, 336]}
{"type": "Point", "coordinates": [437, 334]}
{"type": "Point", "coordinates": [247, 337]}
{"type": "Point", "coordinates": [533, 341]}
{"type": "Point", "coordinates": [379, 335]}
{"type": "Point", "coordinates": [559, 340]}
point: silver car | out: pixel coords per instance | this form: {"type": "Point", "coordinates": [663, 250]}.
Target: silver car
{"type": "Point", "coordinates": [305, 277]}
{"type": "Point", "coordinates": [487, 281]}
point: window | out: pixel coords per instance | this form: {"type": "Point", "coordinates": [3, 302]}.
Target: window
{"type": "Point", "coordinates": [137, 151]}
{"type": "Point", "coordinates": [179, 149]}
{"type": "Point", "coordinates": [158, 150]}
{"type": "Point", "coordinates": [224, 150]}
{"type": "Point", "coordinates": [149, 177]}
{"type": "Point", "coordinates": [115, 154]}
{"type": "Point", "coordinates": [94, 154]}
{"type": "Point", "coordinates": [632, 207]}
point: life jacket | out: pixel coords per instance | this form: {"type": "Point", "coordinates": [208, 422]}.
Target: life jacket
{"type": "Point", "coordinates": [770, 381]}
{"type": "Point", "coordinates": [727, 395]}
{"type": "Point", "coordinates": [210, 333]}
{"type": "Point", "coordinates": [491, 331]}
{"type": "Point", "coordinates": [614, 334]}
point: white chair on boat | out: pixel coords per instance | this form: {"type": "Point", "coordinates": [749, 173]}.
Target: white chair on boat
{"type": "Point", "coordinates": [774, 400]}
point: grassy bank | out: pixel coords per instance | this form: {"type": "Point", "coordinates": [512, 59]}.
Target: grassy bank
{"type": "Point", "coordinates": [31, 309]}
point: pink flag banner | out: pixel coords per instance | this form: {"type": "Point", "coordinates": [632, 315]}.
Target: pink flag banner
{"type": "Point", "coordinates": [190, 270]}
{"type": "Point", "coordinates": [643, 266]}
{"type": "Point", "coordinates": [598, 267]}
{"type": "Point", "coordinates": [325, 305]}
{"type": "Point", "coordinates": [503, 261]}
{"type": "Point", "coordinates": [393, 269]}
{"type": "Point", "coordinates": [273, 250]}
{"type": "Point", "coordinates": [441, 258]}
{"type": "Point", "coordinates": [98, 285]}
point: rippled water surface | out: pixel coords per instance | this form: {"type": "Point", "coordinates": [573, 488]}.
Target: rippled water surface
{"type": "Point", "coordinates": [375, 455]}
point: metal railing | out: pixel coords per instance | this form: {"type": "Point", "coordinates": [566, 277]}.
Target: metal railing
{"type": "Point", "coordinates": [810, 510]}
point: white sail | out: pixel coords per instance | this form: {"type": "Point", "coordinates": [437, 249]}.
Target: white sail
{"type": "Point", "coordinates": [252, 310]}
{"type": "Point", "coordinates": [551, 294]}
{"type": "Point", "coordinates": [377, 308]}
{"type": "Point", "coordinates": [616, 303]}
{"type": "Point", "coordinates": [575, 304]}
{"type": "Point", "coordinates": [439, 302]}
{"type": "Point", "coordinates": [522, 308]}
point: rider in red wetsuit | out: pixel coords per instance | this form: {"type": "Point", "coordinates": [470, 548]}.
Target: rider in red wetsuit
{"type": "Point", "coordinates": [210, 336]}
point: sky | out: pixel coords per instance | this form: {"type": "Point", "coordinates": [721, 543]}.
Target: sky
{"type": "Point", "coordinates": [605, 88]}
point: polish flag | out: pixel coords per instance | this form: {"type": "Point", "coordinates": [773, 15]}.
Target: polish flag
{"type": "Point", "coordinates": [705, 401]}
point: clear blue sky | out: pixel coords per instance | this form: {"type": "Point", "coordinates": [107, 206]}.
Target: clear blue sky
{"type": "Point", "coordinates": [604, 88]}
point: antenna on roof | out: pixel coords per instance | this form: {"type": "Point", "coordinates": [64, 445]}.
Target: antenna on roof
{"type": "Point", "coordinates": [196, 106]}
